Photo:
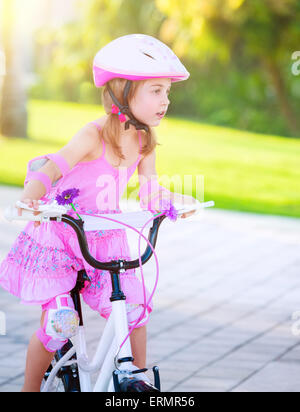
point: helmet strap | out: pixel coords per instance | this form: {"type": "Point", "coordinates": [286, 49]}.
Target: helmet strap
{"type": "Point", "coordinates": [125, 109]}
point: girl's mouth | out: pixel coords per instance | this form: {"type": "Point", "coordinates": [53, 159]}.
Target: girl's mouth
{"type": "Point", "coordinates": [160, 114]}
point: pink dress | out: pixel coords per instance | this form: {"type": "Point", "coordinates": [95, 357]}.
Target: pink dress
{"type": "Point", "coordinates": [43, 261]}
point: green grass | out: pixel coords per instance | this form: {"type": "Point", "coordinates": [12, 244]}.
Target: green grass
{"type": "Point", "coordinates": [241, 170]}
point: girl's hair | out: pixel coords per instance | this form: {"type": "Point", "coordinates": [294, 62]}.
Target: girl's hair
{"type": "Point", "coordinates": [111, 129]}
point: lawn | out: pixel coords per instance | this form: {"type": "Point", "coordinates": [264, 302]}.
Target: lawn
{"type": "Point", "coordinates": [240, 170]}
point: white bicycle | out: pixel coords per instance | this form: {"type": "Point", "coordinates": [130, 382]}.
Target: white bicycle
{"type": "Point", "coordinates": [71, 369]}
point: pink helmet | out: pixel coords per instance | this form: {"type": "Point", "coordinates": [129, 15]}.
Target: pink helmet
{"type": "Point", "coordinates": [137, 57]}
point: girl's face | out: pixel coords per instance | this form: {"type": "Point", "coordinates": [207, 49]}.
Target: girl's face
{"type": "Point", "coordinates": [151, 99]}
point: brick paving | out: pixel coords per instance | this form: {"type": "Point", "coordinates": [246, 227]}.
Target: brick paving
{"type": "Point", "coordinates": [229, 285]}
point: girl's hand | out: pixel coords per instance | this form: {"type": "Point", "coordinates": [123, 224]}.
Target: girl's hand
{"type": "Point", "coordinates": [188, 200]}
{"type": "Point", "coordinates": [184, 199]}
{"type": "Point", "coordinates": [185, 215]}
{"type": "Point", "coordinates": [31, 203]}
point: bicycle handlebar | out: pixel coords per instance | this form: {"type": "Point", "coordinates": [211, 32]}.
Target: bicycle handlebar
{"type": "Point", "coordinates": [113, 265]}
{"type": "Point", "coordinates": [58, 213]}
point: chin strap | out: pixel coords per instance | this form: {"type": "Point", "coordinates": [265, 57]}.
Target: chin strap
{"type": "Point", "coordinates": [126, 110]}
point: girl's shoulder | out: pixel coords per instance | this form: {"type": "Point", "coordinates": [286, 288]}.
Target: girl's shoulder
{"type": "Point", "coordinates": [92, 127]}
{"type": "Point", "coordinates": [100, 121]}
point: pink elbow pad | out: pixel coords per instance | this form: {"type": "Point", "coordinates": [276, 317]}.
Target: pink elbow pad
{"type": "Point", "coordinates": [37, 162]}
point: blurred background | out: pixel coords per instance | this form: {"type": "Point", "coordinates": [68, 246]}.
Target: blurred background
{"type": "Point", "coordinates": [235, 120]}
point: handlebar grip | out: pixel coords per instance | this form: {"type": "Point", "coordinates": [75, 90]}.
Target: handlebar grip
{"type": "Point", "coordinates": [11, 213]}
{"type": "Point", "coordinates": [196, 207]}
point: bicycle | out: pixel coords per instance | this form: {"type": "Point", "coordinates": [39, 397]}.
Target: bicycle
{"type": "Point", "coordinates": [70, 371]}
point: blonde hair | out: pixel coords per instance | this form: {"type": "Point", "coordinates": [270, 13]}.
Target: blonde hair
{"type": "Point", "coordinates": [110, 132]}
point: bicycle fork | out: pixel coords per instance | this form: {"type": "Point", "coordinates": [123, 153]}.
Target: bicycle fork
{"type": "Point", "coordinates": [124, 356]}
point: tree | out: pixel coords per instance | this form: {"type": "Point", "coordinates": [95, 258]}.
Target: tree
{"type": "Point", "coordinates": [67, 74]}
{"type": "Point", "coordinates": [13, 116]}
{"type": "Point", "coordinates": [263, 34]}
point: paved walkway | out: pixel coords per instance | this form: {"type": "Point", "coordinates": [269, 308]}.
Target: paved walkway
{"type": "Point", "coordinates": [229, 286]}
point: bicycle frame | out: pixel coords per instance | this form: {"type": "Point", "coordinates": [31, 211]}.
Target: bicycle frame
{"type": "Point", "coordinates": [114, 333]}
{"type": "Point", "coordinates": [116, 328]}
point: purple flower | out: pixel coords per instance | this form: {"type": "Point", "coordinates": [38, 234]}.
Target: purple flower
{"type": "Point", "coordinates": [67, 196]}
{"type": "Point", "coordinates": [169, 209]}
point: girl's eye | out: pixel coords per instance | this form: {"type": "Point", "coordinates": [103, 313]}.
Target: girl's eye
{"type": "Point", "coordinates": [158, 90]}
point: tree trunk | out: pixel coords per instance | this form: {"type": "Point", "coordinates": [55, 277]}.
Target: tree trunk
{"type": "Point", "coordinates": [13, 115]}
{"type": "Point", "coordinates": [282, 95]}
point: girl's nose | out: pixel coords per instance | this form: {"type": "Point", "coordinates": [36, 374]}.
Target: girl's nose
{"type": "Point", "coordinates": [167, 101]}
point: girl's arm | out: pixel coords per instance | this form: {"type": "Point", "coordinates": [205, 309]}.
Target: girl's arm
{"type": "Point", "coordinates": [147, 168]}
{"type": "Point", "coordinates": [83, 143]}
{"type": "Point", "coordinates": [147, 171]}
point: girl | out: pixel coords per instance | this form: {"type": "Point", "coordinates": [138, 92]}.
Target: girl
{"type": "Point", "coordinates": [94, 169]}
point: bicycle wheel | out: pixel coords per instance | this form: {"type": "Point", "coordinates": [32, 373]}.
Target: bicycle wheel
{"type": "Point", "coordinates": [67, 378]}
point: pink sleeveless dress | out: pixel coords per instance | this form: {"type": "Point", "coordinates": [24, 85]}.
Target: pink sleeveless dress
{"type": "Point", "coordinates": [43, 261]}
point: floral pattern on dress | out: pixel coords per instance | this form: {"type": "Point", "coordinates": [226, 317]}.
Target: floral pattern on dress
{"type": "Point", "coordinates": [44, 260]}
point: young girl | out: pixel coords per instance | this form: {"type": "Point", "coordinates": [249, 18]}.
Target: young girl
{"type": "Point", "coordinates": [41, 267]}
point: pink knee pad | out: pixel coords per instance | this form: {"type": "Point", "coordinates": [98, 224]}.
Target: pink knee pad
{"type": "Point", "coordinates": [50, 344]}
{"type": "Point", "coordinates": [60, 323]}
{"type": "Point", "coordinates": [134, 311]}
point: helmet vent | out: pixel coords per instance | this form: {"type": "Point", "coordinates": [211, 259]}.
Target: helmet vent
{"type": "Point", "coordinates": [148, 55]}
